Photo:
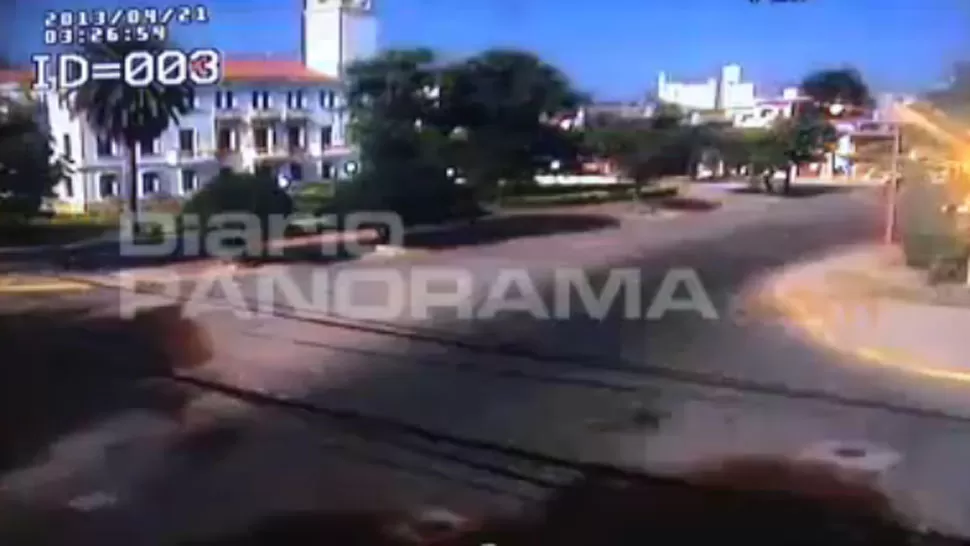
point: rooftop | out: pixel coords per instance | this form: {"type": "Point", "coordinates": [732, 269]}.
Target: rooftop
{"type": "Point", "coordinates": [242, 70]}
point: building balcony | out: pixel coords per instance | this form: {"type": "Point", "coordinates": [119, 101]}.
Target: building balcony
{"type": "Point", "coordinates": [266, 114]}
{"type": "Point", "coordinates": [297, 114]}
{"type": "Point", "coordinates": [274, 153]}
{"type": "Point", "coordinates": [228, 157]}
{"type": "Point", "coordinates": [335, 151]}
{"type": "Point", "coordinates": [230, 114]}
{"type": "Point", "coordinates": [298, 151]}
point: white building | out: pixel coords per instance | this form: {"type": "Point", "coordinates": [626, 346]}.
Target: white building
{"type": "Point", "coordinates": [284, 116]}
{"type": "Point", "coordinates": [728, 92]}
{"type": "Point", "coordinates": [765, 112]}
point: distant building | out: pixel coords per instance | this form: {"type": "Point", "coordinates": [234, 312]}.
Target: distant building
{"type": "Point", "coordinates": [284, 116]}
{"type": "Point", "coordinates": [766, 111]}
{"type": "Point", "coordinates": [602, 113]}
{"type": "Point", "coordinates": [727, 92]}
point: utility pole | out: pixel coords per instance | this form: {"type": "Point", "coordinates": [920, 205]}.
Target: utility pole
{"type": "Point", "coordinates": [892, 188]}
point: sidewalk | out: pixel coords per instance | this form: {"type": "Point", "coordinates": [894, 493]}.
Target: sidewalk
{"type": "Point", "coordinates": [861, 301]}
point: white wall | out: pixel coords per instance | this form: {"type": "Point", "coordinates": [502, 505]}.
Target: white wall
{"type": "Point", "coordinates": [336, 35]}
{"type": "Point", "coordinates": [701, 96]}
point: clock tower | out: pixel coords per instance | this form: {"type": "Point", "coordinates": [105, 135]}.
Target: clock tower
{"type": "Point", "coordinates": [336, 33]}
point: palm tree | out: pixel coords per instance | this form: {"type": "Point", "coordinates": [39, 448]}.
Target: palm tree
{"type": "Point", "coordinates": [126, 114]}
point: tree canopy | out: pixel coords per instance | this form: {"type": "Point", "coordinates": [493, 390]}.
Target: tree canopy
{"type": "Point", "coordinates": [421, 124]}
{"type": "Point", "coordinates": [29, 169]}
{"type": "Point", "coordinates": [837, 86]}
{"type": "Point", "coordinates": [129, 115]}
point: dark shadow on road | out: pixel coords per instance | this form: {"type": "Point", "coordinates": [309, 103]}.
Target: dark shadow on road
{"type": "Point", "coordinates": [754, 501]}
{"type": "Point", "coordinates": [799, 190]}
{"type": "Point", "coordinates": [304, 247]}
{"type": "Point", "coordinates": [502, 228]}
{"type": "Point", "coordinates": [62, 369]}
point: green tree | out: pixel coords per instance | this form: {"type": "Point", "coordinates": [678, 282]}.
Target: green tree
{"type": "Point", "coordinates": [396, 126]}
{"type": "Point", "coordinates": [766, 152]}
{"type": "Point", "coordinates": [844, 86]}
{"type": "Point", "coordinates": [257, 195]}
{"type": "Point", "coordinates": [129, 115]}
{"type": "Point", "coordinates": [645, 150]}
{"type": "Point", "coordinates": [27, 172]}
{"type": "Point", "coordinates": [506, 103]}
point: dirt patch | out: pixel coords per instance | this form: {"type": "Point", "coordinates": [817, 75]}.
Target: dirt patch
{"type": "Point", "coordinates": [897, 283]}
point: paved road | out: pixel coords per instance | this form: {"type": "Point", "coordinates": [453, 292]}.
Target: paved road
{"type": "Point", "coordinates": [592, 390]}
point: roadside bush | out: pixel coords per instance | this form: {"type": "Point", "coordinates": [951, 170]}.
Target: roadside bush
{"type": "Point", "coordinates": [111, 207]}
{"type": "Point", "coordinates": [230, 192]}
{"type": "Point", "coordinates": [166, 204]}
{"type": "Point", "coordinates": [564, 189]}
{"type": "Point", "coordinates": [596, 195]}
{"type": "Point", "coordinates": [312, 196]}
{"type": "Point", "coordinates": [424, 202]}
{"type": "Point", "coordinates": [926, 232]}
{"type": "Point", "coordinates": [949, 268]}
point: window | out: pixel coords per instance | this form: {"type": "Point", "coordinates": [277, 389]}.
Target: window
{"type": "Point", "coordinates": [261, 138]}
{"type": "Point", "coordinates": [187, 141]}
{"type": "Point", "coordinates": [68, 186]}
{"type": "Point", "coordinates": [107, 185]}
{"type": "Point", "coordinates": [189, 181]}
{"type": "Point", "coordinates": [327, 99]}
{"type": "Point", "coordinates": [294, 99]}
{"type": "Point", "coordinates": [148, 146]}
{"type": "Point", "coordinates": [67, 146]}
{"type": "Point", "coordinates": [104, 147]}
{"type": "Point", "coordinates": [326, 137]}
{"type": "Point", "coordinates": [260, 100]}
{"type": "Point", "coordinates": [326, 170]}
{"type": "Point", "coordinates": [296, 172]}
{"type": "Point", "coordinates": [149, 183]}
{"type": "Point", "coordinates": [224, 142]}
{"type": "Point", "coordinates": [225, 100]}
{"type": "Point", "coordinates": [295, 137]}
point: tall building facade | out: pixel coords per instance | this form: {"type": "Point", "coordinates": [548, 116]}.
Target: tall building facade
{"type": "Point", "coordinates": [726, 92]}
{"type": "Point", "coordinates": [336, 33]}
{"type": "Point", "coordinates": [287, 117]}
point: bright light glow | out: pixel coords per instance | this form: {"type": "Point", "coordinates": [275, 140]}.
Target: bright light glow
{"type": "Point", "coordinates": [836, 109]}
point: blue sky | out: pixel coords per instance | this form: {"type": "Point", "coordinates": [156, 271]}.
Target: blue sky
{"type": "Point", "coordinates": [614, 48]}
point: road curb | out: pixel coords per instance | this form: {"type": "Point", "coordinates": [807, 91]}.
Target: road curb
{"type": "Point", "coordinates": [781, 294]}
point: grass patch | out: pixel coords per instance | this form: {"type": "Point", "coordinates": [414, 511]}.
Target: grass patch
{"type": "Point", "coordinates": [586, 196]}
{"type": "Point", "coordinates": [55, 231]}
{"type": "Point", "coordinates": [313, 196]}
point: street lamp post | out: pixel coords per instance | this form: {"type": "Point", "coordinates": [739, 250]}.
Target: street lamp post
{"type": "Point", "coordinates": [892, 189]}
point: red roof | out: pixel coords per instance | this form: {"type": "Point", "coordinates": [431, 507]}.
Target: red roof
{"type": "Point", "coordinates": [256, 70]}
{"type": "Point", "coordinates": [272, 71]}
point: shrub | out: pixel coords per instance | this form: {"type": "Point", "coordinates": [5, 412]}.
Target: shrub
{"type": "Point", "coordinates": [949, 268]}
{"type": "Point", "coordinates": [111, 207]}
{"type": "Point", "coordinates": [162, 204]}
{"type": "Point", "coordinates": [229, 192]}
{"type": "Point", "coordinates": [423, 202]}
{"type": "Point", "coordinates": [312, 196]}
{"type": "Point", "coordinates": [926, 232]}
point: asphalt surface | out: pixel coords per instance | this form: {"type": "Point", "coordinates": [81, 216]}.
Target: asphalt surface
{"type": "Point", "coordinates": [656, 394]}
